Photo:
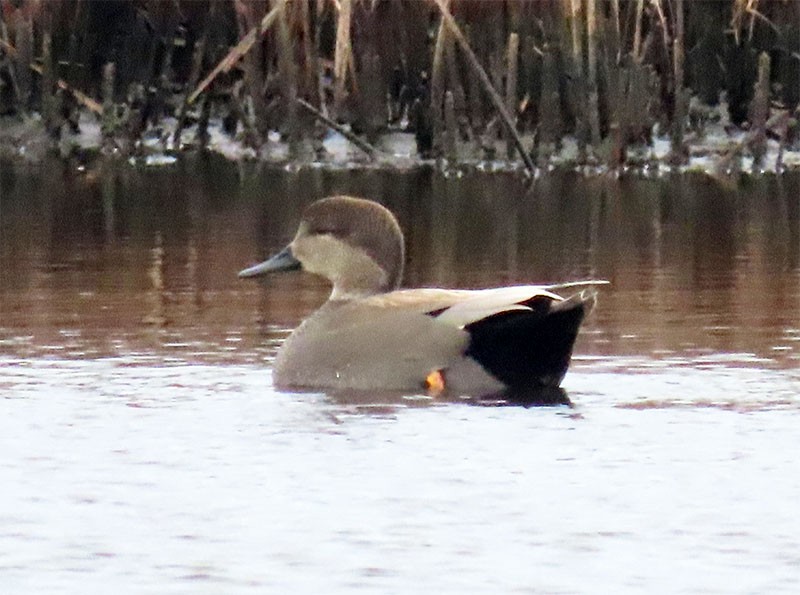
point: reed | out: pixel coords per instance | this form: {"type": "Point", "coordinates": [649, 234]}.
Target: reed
{"type": "Point", "coordinates": [24, 57]}
{"type": "Point", "coordinates": [438, 82]}
{"type": "Point", "coordinates": [512, 77]}
{"type": "Point", "coordinates": [451, 128]}
{"type": "Point", "coordinates": [288, 79]}
{"type": "Point", "coordinates": [591, 69]}
{"type": "Point", "coordinates": [343, 54]}
{"type": "Point", "coordinates": [759, 112]}
{"type": "Point", "coordinates": [680, 97]}
{"type": "Point", "coordinates": [198, 54]}
{"type": "Point", "coordinates": [486, 84]}
{"type": "Point", "coordinates": [49, 108]}
{"type": "Point", "coordinates": [600, 71]}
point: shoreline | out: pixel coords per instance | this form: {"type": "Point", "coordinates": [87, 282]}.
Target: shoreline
{"type": "Point", "coordinates": [719, 150]}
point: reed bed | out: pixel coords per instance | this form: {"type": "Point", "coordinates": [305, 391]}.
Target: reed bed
{"type": "Point", "coordinates": [517, 79]}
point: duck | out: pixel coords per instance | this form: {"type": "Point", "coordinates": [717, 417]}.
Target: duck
{"type": "Point", "coordinates": [372, 335]}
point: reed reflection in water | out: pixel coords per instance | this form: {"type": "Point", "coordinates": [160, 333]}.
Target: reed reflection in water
{"type": "Point", "coordinates": [127, 261]}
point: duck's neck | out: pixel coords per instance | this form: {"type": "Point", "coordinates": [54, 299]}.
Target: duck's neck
{"type": "Point", "coordinates": [351, 290]}
{"type": "Point", "coordinates": [360, 277]}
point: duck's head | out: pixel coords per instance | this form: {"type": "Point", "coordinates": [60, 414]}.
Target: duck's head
{"type": "Point", "coordinates": [355, 243]}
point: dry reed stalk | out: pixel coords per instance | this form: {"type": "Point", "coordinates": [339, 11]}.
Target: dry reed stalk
{"type": "Point", "coordinates": [256, 71]}
{"type": "Point", "coordinates": [497, 100]}
{"type": "Point", "coordinates": [677, 47]}
{"type": "Point", "coordinates": [360, 143]}
{"type": "Point", "coordinates": [72, 51]}
{"type": "Point", "coordinates": [194, 74]}
{"type": "Point", "coordinates": [759, 111]}
{"type": "Point", "coordinates": [342, 57]}
{"type": "Point", "coordinates": [451, 128]}
{"type": "Point", "coordinates": [637, 33]}
{"type": "Point", "coordinates": [371, 104]}
{"type": "Point", "coordinates": [549, 110]}
{"type": "Point", "coordinates": [453, 77]}
{"type": "Point", "coordinates": [511, 83]}
{"type": "Point", "coordinates": [474, 88]}
{"type": "Point", "coordinates": [591, 51]}
{"type": "Point", "coordinates": [591, 41]}
{"type": "Point", "coordinates": [680, 99]}
{"type": "Point", "coordinates": [24, 57]}
{"type": "Point", "coordinates": [109, 114]}
{"type": "Point", "coordinates": [310, 74]}
{"type": "Point", "coordinates": [236, 52]}
{"type": "Point", "coordinates": [574, 7]}
{"type": "Point", "coordinates": [437, 81]}
{"type": "Point", "coordinates": [5, 43]}
{"type": "Point", "coordinates": [202, 123]}
{"type": "Point", "coordinates": [615, 15]}
{"type": "Point", "coordinates": [318, 74]}
{"type": "Point", "coordinates": [741, 9]}
{"type": "Point", "coordinates": [780, 125]}
{"type": "Point", "coordinates": [79, 96]}
{"type": "Point", "coordinates": [48, 84]}
{"type": "Point", "coordinates": [288, 74]}
{"type": "Point", "coordinates": [662, 19]}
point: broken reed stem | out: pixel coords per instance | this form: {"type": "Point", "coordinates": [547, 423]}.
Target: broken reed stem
{"type": "Point", "coordinates": [361, 144]}
{"type": "Point", "coordinates": [236, 52]}
{"type": "Point", "coordinates": [511, 83]}
{"type": "Point", "coordinates": [497, 101]}
{"type": "Point", "coordinates": [342, 54]}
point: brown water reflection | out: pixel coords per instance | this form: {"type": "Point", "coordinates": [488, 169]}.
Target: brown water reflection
{"type": "Point", "coordinates": [142, 263]}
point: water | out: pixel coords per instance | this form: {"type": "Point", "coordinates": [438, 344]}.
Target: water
{"type": "Point", "coordinates": [144, 450]}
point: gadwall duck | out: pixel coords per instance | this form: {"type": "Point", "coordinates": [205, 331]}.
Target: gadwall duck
{"type": "Point", "coordinates": [371, 335]}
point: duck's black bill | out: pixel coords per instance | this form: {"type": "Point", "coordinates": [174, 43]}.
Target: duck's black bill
{"type": "Point", "coordinates": [282, 261]}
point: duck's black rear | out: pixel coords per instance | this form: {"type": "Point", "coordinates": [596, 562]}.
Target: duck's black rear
{"type": "Point", "coordinates": [529, 348]}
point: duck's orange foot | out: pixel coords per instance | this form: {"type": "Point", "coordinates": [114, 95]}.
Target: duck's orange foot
{"type": "Point", "coordinates": [435, 383]}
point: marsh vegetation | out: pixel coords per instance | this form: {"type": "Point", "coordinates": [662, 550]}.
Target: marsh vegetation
{"type": "Point", "coordinates": [527, 83]}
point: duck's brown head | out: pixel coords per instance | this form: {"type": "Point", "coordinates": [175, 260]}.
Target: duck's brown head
{"type": "Point", "coordinates": [355, 243]}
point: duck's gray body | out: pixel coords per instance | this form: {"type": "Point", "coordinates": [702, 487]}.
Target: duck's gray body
{"type": "Point", "coordinates": [370, 335]}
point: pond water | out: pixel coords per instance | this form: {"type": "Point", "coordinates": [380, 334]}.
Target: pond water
{"type": "Point", "coordinates": [144, 450]}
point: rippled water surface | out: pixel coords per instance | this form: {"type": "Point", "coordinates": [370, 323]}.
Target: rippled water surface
{"type": "Point", "coordinates": [144, 450]}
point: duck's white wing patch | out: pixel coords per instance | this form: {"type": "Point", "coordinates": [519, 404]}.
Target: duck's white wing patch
{"type": "Point", "coordinates": [587, 283]}
{"type": "Point", "coordinates": [487, 302]}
